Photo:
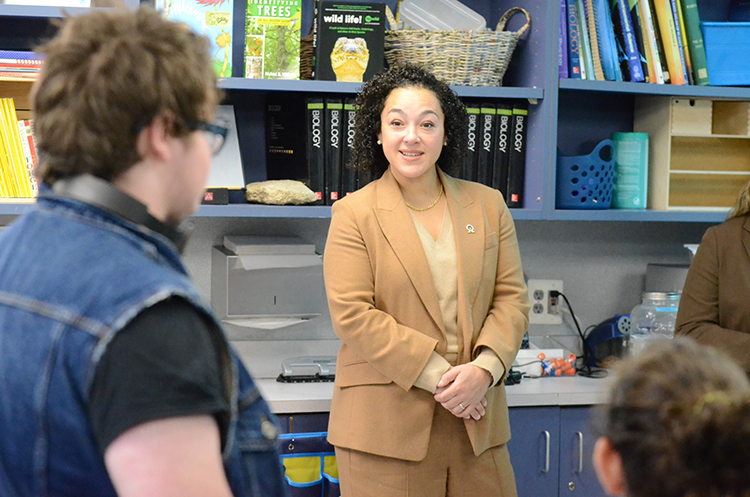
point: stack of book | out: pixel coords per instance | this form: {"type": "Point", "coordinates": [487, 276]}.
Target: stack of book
{"type": "Point", "coordinates": [17, 154]}
{"type": "Point", "coordinates": [653, 41]}
{"type": "Point", "coordinates": [330, 135]}
{"type": "Point", "coordinates": [497, 147]}
{"type": "Point", "coordinates": [19, 65]}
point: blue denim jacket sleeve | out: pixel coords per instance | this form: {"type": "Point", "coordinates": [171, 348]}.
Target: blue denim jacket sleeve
{"type": "Point", "coordinates": [254, 467]}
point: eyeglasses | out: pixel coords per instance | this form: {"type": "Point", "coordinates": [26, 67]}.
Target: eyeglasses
{"type": "Point", "coordinates": [216, 133]}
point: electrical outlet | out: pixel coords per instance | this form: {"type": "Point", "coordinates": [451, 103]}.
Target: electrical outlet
{"type": "Point", "coordinates": [545, 309]}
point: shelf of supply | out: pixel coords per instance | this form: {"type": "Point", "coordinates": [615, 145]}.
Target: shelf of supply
{"type": "Point", "coordinates": [310, 86]}
{"type": "Point", "coordinates": [254, 210]}
{"type": "Point", "coordinates": [716, 92]}
{"type": "Point", "coordinates": [713, 216]}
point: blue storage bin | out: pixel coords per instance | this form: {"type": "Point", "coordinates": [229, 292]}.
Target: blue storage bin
{"type": "Point", "coordinates": [727, 45]}
{"type": "Point", "coordinates": [585, 181]}
{"type": "Point", "coordinates": [310, 464]}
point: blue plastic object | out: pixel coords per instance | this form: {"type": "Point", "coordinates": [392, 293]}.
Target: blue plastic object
{"type": "Point", "coordinates": [585, 181]}
{"type": "Point", "coordinates": [727, 45]}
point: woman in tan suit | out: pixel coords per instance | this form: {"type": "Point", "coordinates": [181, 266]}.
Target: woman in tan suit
{"type": "Point", "coordinates": [714, 306]}
{"type": "Point", "coordinates": [426, 292]}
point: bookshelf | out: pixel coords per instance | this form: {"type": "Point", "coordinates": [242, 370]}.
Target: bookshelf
{"type": "Point", "coordinates": [567, 115]}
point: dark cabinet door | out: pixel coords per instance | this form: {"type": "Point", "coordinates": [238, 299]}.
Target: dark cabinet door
{"type": "Point", "coordinates": [577, 476]}
{"type": "Point", "coordinates": [534, 450]}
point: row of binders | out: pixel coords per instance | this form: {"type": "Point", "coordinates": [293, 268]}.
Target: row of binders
{"type": "Point", "coordinates": [496, 139]}
{"type": "Point", "coordinates": [653, 41]}
{"type": "Point", "coordinates": [17, 154]}
{"type": "Point", "coordinates": [497, 147]}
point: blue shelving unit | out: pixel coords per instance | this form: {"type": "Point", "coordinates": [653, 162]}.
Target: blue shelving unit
{"type": "Point", "coordinates": [567, 115]}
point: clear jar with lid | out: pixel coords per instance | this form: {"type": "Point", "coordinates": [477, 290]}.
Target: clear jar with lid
{"type": "Point", "coordinates": [653, 319]}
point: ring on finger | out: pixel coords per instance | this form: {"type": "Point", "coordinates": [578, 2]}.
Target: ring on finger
{"type": "Point", "coordinates": [461, 406]}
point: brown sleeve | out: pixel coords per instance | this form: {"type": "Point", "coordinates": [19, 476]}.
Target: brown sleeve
{"type": "Point", "coordinates": [699, 313]}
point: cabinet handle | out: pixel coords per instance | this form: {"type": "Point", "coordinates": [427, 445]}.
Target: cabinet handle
{"type": "Point", "coordinates": [546, 457]}
{"type": "Point", "coordinates": [580, 452]}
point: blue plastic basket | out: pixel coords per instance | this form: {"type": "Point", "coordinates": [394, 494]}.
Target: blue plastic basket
{"type": "Point", "coordinates": [585, 181]}
{"type": "Point", "coordinates": [727, 45]}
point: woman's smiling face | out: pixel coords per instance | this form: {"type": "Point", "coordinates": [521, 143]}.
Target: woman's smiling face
{"type": "Point", "coordinates": [412, 131]}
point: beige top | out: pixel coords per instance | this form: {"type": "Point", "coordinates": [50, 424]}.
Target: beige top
{"type": "Point", "coordinates": [441, 257]}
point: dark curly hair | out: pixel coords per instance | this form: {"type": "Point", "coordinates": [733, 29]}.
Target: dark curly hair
{"type": "Point", "coordinates": [679, 416]}
{"type": "Point", "coordinates": [368, 156]}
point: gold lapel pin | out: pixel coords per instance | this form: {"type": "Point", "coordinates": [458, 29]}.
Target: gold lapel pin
{"type": "Point", "coordinates": [470, 229]}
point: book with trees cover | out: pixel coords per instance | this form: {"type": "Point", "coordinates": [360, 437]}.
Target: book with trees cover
{"type": "Point", "coordinates": [211, 18]}
{"type": "Point", "coordinates": [272, 39]}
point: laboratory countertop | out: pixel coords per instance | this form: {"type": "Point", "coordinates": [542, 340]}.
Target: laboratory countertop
{"type": "Point", "coordinates": [287, 398]}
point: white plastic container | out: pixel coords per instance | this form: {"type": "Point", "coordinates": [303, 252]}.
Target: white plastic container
{"type": "Point", "coordinates": [439, 14]}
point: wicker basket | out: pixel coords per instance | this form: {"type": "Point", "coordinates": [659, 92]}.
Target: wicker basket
{"type": "Point", "coordinates": [468, 58]}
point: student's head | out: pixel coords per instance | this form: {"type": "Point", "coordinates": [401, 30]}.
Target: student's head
{"type": "Point", "coordinates": [677, 425]}
{"type": "Point", "coordinates": [367, 154]}
{"type": "Point", "coordinates": [106, 76]}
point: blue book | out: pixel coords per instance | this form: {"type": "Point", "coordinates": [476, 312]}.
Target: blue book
{"type": "Point", "coordinates": [678, 32]}
{"type": "Point", "coordinates": [574, 42]}
{"type": "Point", "coordinates": [606, 38]}
{"type": "Point", "coordinates": [563, 42]}
{"type": "Point", "coordinates": [625, 31]}
{"type": "Point", "coordinates": [587, 64]}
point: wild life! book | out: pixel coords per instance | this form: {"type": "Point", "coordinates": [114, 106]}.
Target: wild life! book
{"type": "Point", "coordinates": [272, 39]}
{"type": "Point", "coordinates": [348, 41]}
{"type": "Point", "coordinates": [211, 18]}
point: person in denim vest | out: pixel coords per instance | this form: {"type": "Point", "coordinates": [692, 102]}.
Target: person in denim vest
{"type": "Point", "coordinates": [115, 376]}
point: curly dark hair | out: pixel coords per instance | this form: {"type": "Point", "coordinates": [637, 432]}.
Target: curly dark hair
{"type": "Point", "coordinates": [679, 416]}
{"type": "Point", "coordinates": [368, 156]}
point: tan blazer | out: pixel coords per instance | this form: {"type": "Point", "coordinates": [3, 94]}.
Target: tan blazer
{"type": "Point", "coordinates": [714, 307]}
{"type": "Point", "coordinates": [385, 309]}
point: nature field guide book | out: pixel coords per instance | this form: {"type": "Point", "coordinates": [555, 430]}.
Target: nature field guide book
{"type": "Point", "coordinates": [272, 39]}
{"type": "Point", "coordinates": [211, 18]}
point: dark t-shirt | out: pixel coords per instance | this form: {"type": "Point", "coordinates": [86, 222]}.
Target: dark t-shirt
{"type": "Point", "coordinates": [165, 363]}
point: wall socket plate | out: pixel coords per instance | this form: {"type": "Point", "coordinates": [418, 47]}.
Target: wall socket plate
{"type": "Point", "coordinates": [544, 309]}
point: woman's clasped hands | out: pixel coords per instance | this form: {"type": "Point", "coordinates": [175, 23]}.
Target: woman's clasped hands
{"type": "Point", "coordinates": [461, 391]}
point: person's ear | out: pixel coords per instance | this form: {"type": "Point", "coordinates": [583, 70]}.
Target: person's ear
{"type": "Point", "coordinates": [608, 466]}
{"type": "Point", "coordinates": [153, 140]}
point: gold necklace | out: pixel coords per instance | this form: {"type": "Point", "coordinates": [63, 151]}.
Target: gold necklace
{"type": "Point", "coordinates": [429, 206]}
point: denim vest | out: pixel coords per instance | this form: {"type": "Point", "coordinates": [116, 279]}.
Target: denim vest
{"type": "Point", "coordinates": [71, 277]}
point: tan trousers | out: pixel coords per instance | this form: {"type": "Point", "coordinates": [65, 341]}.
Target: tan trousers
{"type": "Point", "coordinates": [450, 468]}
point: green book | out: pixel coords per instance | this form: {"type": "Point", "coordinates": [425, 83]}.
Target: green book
{"type": "Point", "coordinates": [695, 41]}
{"type": "Point", "coordinates": [272, 39]}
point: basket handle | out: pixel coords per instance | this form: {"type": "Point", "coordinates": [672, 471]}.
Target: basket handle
{"type": "Point", "coordinates": [391, 18]}
{"type": "Point", "coordinates": [600, 146]}
{"type": "Point", "coordinates": [508, 14]}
